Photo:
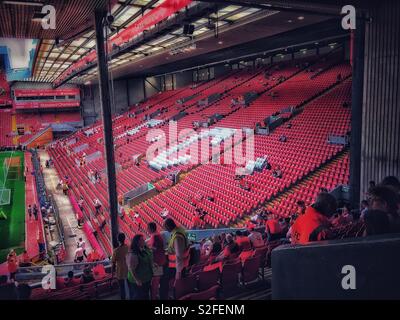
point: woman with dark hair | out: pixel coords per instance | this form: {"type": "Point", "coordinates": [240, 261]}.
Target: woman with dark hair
{"type": "Point", "coordinates": [376, 222]}
{"type": "Point", "coordinates": [140, 265]}
{"type": "Point", "coordinates": [384, 198]}
{"type": "Point", "coordinates": [392, 182]}
{"type": "Point", "coordinates": [156, 244]}
{"type": "Point", "coordinates": [215, 251]}
{"type": "Point", "coordinates": [231, 250]}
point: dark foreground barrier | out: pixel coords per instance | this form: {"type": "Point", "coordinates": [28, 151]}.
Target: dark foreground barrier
{"type": "Point", "coordinates": [362, 268]}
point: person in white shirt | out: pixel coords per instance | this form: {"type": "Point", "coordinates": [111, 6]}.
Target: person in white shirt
{"type": "Point", "coordinates": [79, 256]}
{"type": "Point", "coordinates": [82, 244]}
{"type": "Point", "coordinates": [254, 218]}
{"type": "Point", "coordinates": [164, 213]}
{"type": "Point", "coordinates": [97, 205]}
{"type": "Point", "coordinates": [256, 239]}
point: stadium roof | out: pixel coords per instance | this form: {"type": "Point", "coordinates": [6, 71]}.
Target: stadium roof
{"type": "Point", "coordinates": [59, 49]}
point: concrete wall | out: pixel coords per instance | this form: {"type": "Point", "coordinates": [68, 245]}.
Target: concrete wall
{"type": "Point", "coordinates": [90, 109]}
{"type": "Point", "coordinates": [152, 85]}
{"type": "Point", "coordinates": [184, 78]}
{"type": "Point", "coordinates": [135, 91]}
{"type": "Point", "coordinates": [315, 271]}
{"type": "Point", "coordinates": [220, 70]}
{"type": "Point", "coordinates": [120, 96]}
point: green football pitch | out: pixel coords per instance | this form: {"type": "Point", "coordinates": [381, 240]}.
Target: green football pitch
{"type": "Point", "coordinates": [12, 230]}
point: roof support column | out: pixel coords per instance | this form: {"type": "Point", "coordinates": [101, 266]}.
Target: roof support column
{"type": "Point", "coordinates": [107, 123]}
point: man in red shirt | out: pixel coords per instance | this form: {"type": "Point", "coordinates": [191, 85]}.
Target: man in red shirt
{"type": "Point", "coordinates": [314, 224]}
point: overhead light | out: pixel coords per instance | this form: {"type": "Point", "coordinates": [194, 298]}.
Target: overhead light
{"type": "Point", "coordinates": [220, 42]}
{"type": "Point", "coordinates": [24, 3]}
{"type": "Point", "coordinates": [300, 18]}
{"type": "Point", "coordinates": [290, 21]}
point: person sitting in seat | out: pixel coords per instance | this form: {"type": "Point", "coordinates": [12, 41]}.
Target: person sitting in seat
{"type": "Point", "coordinates": [243, 241]}
{"type": "Point", "coordinates": [231, 249]}
{"type": "Point", "coordinates": [80, 203]}
{"type": "Point", "coordinates": [211, 197]}
{"type": "Point", "coordinates": [273, 228]}
{"type": "Point", "coordinates": [164, 213]}
{"type": "Point", "coordinates": [121, 211]}
{"type": "Point", "coordinates": [70, 280]}
{"type": "Point", "coordinates": [244, 185]}
{"type": "Point", "coordinates": [256, 238]}
{"type": "Point", "coordinates": [87, 276]}
{"type": "Point", "coordinates": [99, 272]}
{"type": "Point", "coordinates": [314, 225]}
{"type": "Point", "coordinates": [65, 188]}
{"type": "Point", "coordinates": [282, 138]}
{"type": "Point", "coordinates": [25, 260]}
{"type": "Point", "coordinates": [97, 205]}
{"type": "Point", "coordinates": [277, 173]}
{"type": "Point", "coordinates": [93, 256]}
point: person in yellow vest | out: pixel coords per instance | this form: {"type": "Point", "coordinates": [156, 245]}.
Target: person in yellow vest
{"type": "Point", "coordinates": [178, 249]}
